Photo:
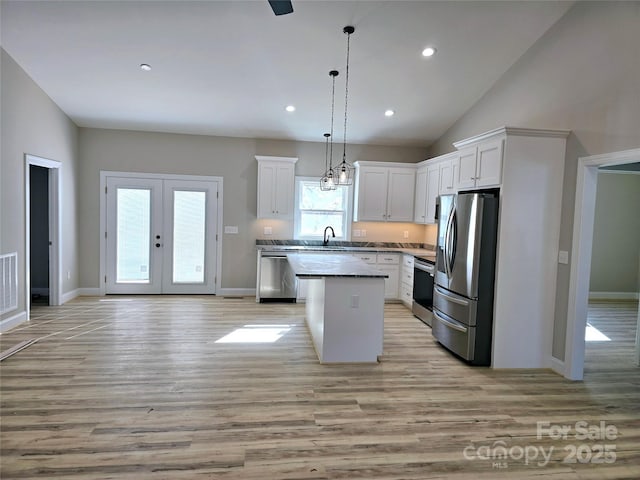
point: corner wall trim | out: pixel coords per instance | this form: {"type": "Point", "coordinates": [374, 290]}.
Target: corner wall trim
{"type": "Point", "coordinates": [557, 366]}
{"type": "Point", "coordinates": [613, 295]}
{"type": "Point", "coordinates": [68, 296]}
{"type": "Point", "coordinates": [13, 321]}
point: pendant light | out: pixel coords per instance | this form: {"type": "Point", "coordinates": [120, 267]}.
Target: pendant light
{"type": "Point", "coordinates": [326, 182]}
{"type": "Point", "coordinates": [345, 170]}
{"type": "Point", "coordinates": [329, 179]}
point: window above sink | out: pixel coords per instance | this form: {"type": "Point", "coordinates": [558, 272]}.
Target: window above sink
{"type": "Point", "coordinates": [316, 209]}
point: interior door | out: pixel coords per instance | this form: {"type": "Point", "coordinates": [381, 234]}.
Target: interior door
{"type": "Point", "coordinates": [134, 235]}
{"type": "Point", "coordinates": [161, 236]}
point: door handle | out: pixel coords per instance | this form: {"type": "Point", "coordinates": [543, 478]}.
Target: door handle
{"type": "Point", "coordinates": [464, 303]}
{"type": "Point", "coordinates": [449, 324]}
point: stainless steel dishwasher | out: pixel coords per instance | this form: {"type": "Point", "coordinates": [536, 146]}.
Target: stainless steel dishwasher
{"type": "Point", "coordinates": [278, 283]}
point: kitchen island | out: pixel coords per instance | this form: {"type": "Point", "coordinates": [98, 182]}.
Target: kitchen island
{"type": "Point", "coordinates": [344, 307]}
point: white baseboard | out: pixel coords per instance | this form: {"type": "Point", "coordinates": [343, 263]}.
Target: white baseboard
{"type": "Point", "coordinates": [613, 295]}
{"type": "Point", "coordinates": [89, 292]}
{"type": "Point", "coordinates": [236, 292]}
{"type": "Point", "coordinates": [231, 292]}
{"type": "Point", "coordinates": [13, 321]}
{"type": "Point", "coordinates": [557, 365]}
{"type": "Point", "coordinates": [68, 296]}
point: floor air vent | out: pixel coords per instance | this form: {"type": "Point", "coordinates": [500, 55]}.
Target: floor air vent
{"type": "Point", "coordinates": [8, 282]}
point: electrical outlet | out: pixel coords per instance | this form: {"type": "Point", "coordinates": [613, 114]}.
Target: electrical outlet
{"type": "Point", "coordinates": [357, 233]}
{"type": "Point", "coordinates": [363, 232]}
{"type": "Point", "coordinates": [563, 257]}
{"type": "Point", "coordinates": [406, 234]}
{"type": "Point", "coordinates": [268, 231]}
{"type": "Point", "coordinates": [355, 301]}
{"type": "Point", "coordinates": [68, 275]}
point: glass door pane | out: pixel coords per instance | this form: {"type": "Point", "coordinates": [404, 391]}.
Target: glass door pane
{"type": "Point", "coordinates": [133, 230]}
{"type": "Point", "coordinates": [189, 222]}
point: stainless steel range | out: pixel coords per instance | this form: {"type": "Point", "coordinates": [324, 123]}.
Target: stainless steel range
{"type": "Point", "coordinates": [423, 275]}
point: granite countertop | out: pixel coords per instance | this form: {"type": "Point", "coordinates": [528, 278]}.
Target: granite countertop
{"type": "Point", "coordinates": [416, 252]}
{"type": "Point", "coordinates": [313, 265]}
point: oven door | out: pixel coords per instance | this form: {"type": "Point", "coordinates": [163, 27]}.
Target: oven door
{"type": "Point", "coordinates": [422, 291]}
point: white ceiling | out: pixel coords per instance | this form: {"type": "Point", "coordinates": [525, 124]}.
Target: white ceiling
{"type": "Point", "coordinates": [229, 68]}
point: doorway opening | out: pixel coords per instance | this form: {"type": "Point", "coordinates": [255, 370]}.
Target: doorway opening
{"type": "Point", "coordinates": [42, 232]}
{"type": "Point", "coordinates": [582, 249]}
{"type": "Point", "coordinates": [39, 242]}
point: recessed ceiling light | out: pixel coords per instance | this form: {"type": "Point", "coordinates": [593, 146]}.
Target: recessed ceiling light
{"type": "Point", "coordinates": [389, 113]}
{"type": "Point", "coordinates": [290, 108]}
{"type": "Point", "coordinates": [144, 66]}
{"type": "Point", "coordinates": [428, 52]}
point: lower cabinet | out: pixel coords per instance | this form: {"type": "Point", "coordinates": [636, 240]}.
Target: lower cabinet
{"type": "Point", "coordinates": [388, 263]}
{"type": "Point", "coordinates": [406, 280]}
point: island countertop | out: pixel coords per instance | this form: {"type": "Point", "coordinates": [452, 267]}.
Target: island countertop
{"type": "Point", "coordinates": [315, 265]}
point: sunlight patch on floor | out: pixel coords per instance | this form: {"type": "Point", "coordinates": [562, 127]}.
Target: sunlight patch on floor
{"type": "Point", "coordinates": [592, 334]}
{"type": "Point", "coordinates": [256, 334]}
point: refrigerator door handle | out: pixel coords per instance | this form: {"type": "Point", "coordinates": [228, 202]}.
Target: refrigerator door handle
{"type": "Point", "coordinates": [450, 241]}
{"type": "Point", "coordinates": [451, 299]}
{"type": "Point", "coordinates": [449, 324]}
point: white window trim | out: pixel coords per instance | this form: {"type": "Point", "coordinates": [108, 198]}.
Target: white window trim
{"type": "Point", "coordinates": [296, 215]}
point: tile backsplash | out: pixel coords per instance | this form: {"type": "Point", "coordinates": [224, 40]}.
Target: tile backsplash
{"type": "Point", "coordinates": [360, 231]}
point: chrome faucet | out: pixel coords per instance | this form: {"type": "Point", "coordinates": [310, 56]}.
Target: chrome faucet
{"type": "Point", "coordinates": [325, 240]}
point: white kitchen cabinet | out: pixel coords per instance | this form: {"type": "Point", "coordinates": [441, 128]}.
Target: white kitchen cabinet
{"type": "Point", "coordinates": [406, 280]}
{"type": "Point", "coordinates": [391, 283]}
{"type": "Point", "coordinates": [276, 177]}
{"type": "Point", "coordinates": [384, 192]}
{"type": "Point", "coordinates": [479, 166]}
{"type": "Point", "coordinates": [434, 177]}
{"type": "Point", "coordinates": [530, 177]}
{"type": "Point", "coordinates": [427, 191]}
{"type": "Point", "coordinates": [366, 257]}
{"type": "Point", "coordinates": [389, 263]}
{"type": "Point", "coordinates": [447, 173]}
{"type": "Point", "coordinates": [420, 202]}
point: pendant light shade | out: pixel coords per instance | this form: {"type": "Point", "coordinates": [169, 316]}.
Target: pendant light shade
{"type": "Point", "coordinates": [327, 182]}
{"type": "Point", "coordinates": [345, 170]}
{"type": "Point", "coordinates": [329, 179]}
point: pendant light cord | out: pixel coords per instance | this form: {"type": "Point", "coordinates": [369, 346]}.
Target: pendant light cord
{"type": "Point", "coordinates": [334, 74]}
{"type": "Point", "coordinates": [346, 98]}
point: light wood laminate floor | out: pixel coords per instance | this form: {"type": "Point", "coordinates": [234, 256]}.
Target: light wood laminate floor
{"type": "Point", "coordinates": [139, 387]}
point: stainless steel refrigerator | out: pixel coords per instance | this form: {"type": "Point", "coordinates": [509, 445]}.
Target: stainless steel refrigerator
{"type": "Point", "coordinates": [464, 278]}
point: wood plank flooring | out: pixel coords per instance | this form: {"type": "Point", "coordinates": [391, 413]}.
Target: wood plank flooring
{"type": "Point", "coordinates": [137, 388]}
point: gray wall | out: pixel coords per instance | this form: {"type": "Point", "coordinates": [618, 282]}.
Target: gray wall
{"type": "Point", "coordinates": [231, 158]}
{"type": "Point", "coordinates": [583, 75]}
{"type": "Point", "coordinates": [33, 124]}
{"type": "Point", "coordinates": [616, 234]}
{"type": "Point", "coordinates": [39, 231]}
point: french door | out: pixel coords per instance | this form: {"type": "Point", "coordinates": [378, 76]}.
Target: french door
{"type": "Point", "coordinates": [161, 236]}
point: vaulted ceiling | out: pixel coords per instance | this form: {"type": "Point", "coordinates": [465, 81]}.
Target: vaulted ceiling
{"type": "Point", "coordinates": [230, 68]}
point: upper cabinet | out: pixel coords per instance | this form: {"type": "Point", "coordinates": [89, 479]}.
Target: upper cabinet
{"type": "Point", "coordinates": [276, 186]}
{"type": "Point", "coordinates": [434, 177]}
{"type": "Point", "coordinates": [447, 174]}
{"type": "Point", "coordinates": [479, 166]}
{"type": "Point", "coordinates": [384, 192]}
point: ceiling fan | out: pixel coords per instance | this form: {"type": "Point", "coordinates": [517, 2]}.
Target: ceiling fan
{"type": "Point", "coordinates": [281, 7]}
